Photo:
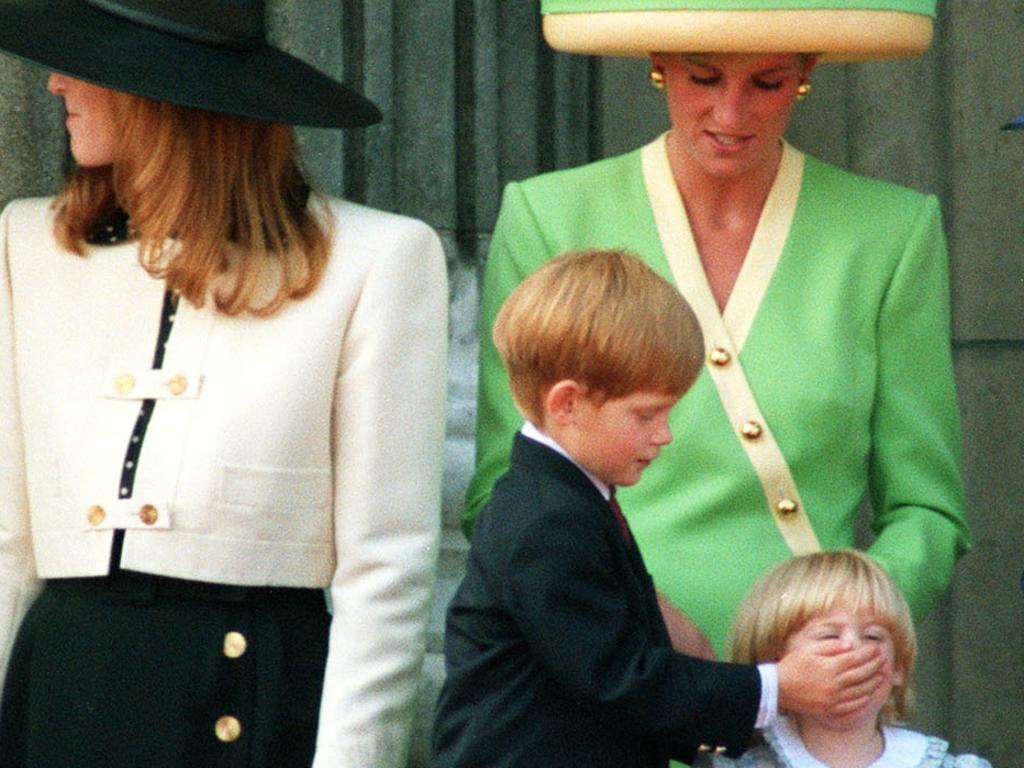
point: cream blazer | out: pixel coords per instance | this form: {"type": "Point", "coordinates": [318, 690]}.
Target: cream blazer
{"type": "Point", "coordinates": [301, 450]}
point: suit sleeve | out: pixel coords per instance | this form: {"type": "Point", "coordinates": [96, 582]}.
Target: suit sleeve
{"type": "Point", "coordinates": [574, 614]}
{"type": "Point", "coordinates": [517, 248]}
{"type": "Point", "coordinates": [916, 487]}
{"type": "Point", "coordinates": [18, 583]}
{"type": "Point", "coordinates": [388, 446]}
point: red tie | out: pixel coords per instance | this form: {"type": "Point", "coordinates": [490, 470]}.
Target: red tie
{"type": "Point", "coordinates": [617, 511]}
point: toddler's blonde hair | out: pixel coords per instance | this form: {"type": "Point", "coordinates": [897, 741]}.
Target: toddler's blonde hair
{"type": "Point", "coordinates": [805, 587]}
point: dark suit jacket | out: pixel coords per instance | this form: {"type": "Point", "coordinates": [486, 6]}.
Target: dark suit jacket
{"type": "Point", "coordinates": [556, 653]}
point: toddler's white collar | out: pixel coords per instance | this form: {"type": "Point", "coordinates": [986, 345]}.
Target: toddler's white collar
{"type": "Point", "coordinates": [903, 748]}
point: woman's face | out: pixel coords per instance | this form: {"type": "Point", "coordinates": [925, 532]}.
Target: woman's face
{"type": "Point", "coordinates": [90, 122]}
{"type": "Point", "coordinates": [729, 110]}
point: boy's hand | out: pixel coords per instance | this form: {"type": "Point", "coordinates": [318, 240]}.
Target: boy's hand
{"type": "Point", "coordinates": [834, 683]}
{"type": "Point", "coordinates": [685, 636]}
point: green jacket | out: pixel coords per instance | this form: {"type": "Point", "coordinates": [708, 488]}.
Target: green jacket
{"type": "Point", "coordinates": [847, 354]}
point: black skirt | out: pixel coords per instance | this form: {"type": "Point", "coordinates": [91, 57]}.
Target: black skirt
{"type": "Point", "coordinates": [135, 670]}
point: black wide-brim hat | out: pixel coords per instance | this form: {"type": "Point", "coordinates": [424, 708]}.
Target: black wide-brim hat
{"type": "Point", "coordinates": [208, 54]}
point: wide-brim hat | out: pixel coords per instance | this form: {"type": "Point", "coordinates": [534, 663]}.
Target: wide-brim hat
{"type": "Point", "coordinates": [854, 30]}
{"type": "Point", "coordinates": [209, 54]}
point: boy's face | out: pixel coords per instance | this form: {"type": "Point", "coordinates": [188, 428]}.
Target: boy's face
{"type": "Point", "coordinates": [851, 631]}
{"type": "Point", "coordinates": [616, 440]}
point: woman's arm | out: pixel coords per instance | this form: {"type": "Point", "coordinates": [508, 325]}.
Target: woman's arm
{"type": "Point", "coordinates": [915, 482]}
{"type": "Point", "coordinates": [18, 583]}
{"type": "Point", "coordinates": [389, 418]}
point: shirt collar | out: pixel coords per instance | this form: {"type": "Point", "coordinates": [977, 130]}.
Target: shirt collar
{"type": "Point", "coordinates": [533, 432]}
{"type": "Point", "coordinates": [903, 748]}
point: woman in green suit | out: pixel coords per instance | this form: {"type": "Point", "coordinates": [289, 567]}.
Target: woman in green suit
{"type": "Point", "coordinates": [823, 297]}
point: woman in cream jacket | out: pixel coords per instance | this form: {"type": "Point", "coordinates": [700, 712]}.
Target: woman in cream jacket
{"type": "Point", "coordinates": [221, 394]}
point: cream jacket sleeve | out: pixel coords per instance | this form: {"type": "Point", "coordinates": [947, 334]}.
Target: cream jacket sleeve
{"type": "Point", "coordinates": [18, 584]}
{"type": "Point", "coordinates": [388, 446]}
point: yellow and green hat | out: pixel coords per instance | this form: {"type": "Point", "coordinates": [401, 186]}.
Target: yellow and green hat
{"type": "Point", "coordinates": [854, 30]}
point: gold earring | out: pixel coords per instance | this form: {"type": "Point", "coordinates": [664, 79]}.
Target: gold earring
{"type": "Point", "coordinates": [656, 77]}
{"type": "Point", "coordinates": [802, 90]}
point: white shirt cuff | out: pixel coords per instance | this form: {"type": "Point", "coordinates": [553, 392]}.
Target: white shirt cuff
{"type": "Point", "coordinates": [769, 707]}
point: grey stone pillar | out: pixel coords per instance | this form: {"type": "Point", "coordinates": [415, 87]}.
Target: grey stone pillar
{"type": "Point", "coordinates": [31, 133]}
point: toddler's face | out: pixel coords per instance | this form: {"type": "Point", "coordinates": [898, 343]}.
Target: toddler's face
{"type": "Point", "coordinates": [848, 630]}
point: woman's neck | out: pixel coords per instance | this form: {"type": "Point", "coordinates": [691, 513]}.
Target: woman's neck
{"type": "Point", "coordinates": [856, 747]}
{"type": "Point", "coordinates": [723, 213]}
{"type": "Point", "coordinates": [721, 198]}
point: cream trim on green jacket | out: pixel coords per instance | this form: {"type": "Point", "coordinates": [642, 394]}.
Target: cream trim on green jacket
{"type": "Point", "coordinates": [725, 332]}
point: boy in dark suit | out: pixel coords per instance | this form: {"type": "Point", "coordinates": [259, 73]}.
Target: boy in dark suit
{"type": "Point", "coordinates": [556, 651]}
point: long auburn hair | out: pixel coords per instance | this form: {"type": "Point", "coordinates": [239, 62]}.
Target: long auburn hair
{"type": "Point", "coordinates": [218, 204]}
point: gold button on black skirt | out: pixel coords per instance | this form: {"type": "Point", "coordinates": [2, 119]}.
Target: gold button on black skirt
{"type": "Point", "coordinates": [134, 670]}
